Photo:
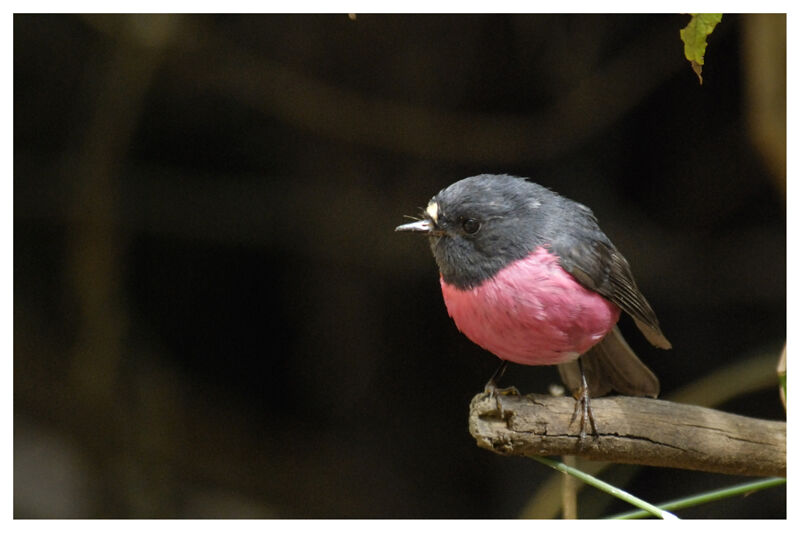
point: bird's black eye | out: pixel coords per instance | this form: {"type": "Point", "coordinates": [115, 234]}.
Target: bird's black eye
{"type": "Point", "coordinates": [471, 225]}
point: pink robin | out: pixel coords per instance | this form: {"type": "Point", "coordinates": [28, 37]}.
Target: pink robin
{"type": "Point", "coordinates": [529, 276]}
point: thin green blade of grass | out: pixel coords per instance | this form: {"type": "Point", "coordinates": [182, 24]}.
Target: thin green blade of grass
{"type": "Point", "coordinates": [707, 497]}
{"type": "Point", "coordinates": [607, 488]}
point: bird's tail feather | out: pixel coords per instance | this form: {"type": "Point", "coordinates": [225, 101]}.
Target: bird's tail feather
{"type": "Point", "coordinates": [611, 365]}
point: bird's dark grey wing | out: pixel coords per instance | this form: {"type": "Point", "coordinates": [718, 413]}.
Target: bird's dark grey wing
{"type": "Point", "coordinates": [598, 266]}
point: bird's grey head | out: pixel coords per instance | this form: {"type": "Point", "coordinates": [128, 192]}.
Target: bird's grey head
{"type": "Point", "coordinates": [478, 225]}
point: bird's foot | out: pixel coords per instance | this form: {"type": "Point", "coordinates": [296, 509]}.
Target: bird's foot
{"type": "Point", "coordinates": [492, 391]}
{"type": "Point", "coordinates": [583, 405]}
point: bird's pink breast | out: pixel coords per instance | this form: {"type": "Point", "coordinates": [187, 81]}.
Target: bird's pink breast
{"type": "Point", "coordinates": [532, 312]}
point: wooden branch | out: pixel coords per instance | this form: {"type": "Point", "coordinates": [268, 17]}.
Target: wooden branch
{"type": "Point", "coordinates": [632, 430]}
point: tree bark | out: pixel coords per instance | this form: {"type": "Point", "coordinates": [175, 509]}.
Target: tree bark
{"type": "Point", "coordinates": [631, 430]}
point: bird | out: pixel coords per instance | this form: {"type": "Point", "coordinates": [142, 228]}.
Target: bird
{"type": "Point", "coordinates": [528, 275]}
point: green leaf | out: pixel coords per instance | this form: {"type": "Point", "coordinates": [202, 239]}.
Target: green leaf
{"type": "Point", "coordinates": [694, 37]}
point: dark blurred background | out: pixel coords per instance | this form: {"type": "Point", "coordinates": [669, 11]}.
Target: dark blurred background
{"type": "Point", "coordinates": [214, 318]}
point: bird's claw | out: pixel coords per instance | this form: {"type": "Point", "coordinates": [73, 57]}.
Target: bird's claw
{"type": "Point", "coordinates": [583, 405]}
{"type": "Point", "coordinates": [492, 391]}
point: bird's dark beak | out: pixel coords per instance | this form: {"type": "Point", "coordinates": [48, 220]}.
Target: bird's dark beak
{"type": "Point", "coordinates": [424, 226]}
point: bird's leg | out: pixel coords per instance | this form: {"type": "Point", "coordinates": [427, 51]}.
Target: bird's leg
{"type": "Point", "coordinates": [582, 404]}
{"type": "Point", "coordinates": [491, 385]}
{"type": "Point", "coordinates": [492, 390]}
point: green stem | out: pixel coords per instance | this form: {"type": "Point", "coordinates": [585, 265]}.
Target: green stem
{"type": "Point", "coordinates": [605, 487]}
{"type": "Point", "coordinates": [706, 497]}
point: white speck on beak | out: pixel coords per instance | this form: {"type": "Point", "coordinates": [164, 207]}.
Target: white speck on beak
{"type": "Point", "coordinates": [433, 211]}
